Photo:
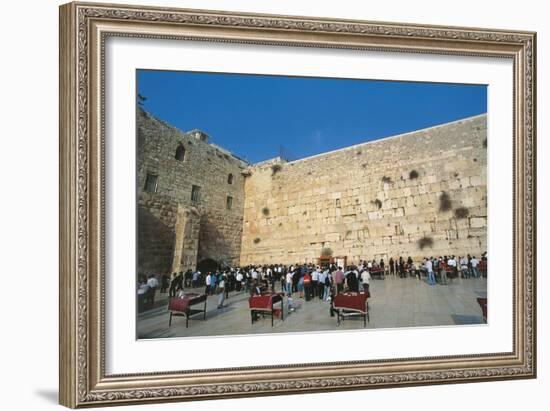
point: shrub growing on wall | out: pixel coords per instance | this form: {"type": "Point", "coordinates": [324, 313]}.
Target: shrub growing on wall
{"type": "Point", "coordinates": [461, 212]}
{"type": "Point", "coordinates": [445, 203]}
{"type": "Point", "coordinates": [265, 211]}
{"type": "Point", "coordinates": [425, 242]}
{"type": "Point", "coordinates": [386, 179]}
{"type": "Point", "coordinates": [256, 240]}
{"type": "Point", "coordinates": [377, 203]}
{"type": "Point", "coordinates": [413, 174]}
{"type": "Point", "coordinates": [326, 252]}
{"type": "Point", "coordinates": [275, 168]}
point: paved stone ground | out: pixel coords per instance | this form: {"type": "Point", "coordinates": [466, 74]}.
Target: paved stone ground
{"type": "Point", "coordinates": [394, 302]}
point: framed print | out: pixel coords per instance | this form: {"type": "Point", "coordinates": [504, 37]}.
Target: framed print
{"type": "Point", "coordinates": [262, 205]}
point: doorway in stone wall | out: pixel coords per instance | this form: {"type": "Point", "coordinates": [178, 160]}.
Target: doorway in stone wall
{"type": "Point", "coordinates": [208, 265]}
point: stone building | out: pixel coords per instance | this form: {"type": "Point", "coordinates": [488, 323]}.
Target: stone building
{"type": "Point", "coordinates": [417, 194]}
{"type": "Point", "coordinates": [190, 198]}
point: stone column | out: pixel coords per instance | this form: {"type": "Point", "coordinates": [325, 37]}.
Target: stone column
{"type": "Point", "coordinates": [187, 239]}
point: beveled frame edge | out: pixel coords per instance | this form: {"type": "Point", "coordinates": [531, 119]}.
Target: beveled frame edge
{"type": "Point", "coordinates": [83, 28]}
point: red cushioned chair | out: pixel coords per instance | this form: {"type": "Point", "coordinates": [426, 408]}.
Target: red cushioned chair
{"type": "Point", "coordinates": [263, 304]}
{"type": "Point", "coordinates": [181, 307]}
{"type": "Point", "coordinates": [351, 304]}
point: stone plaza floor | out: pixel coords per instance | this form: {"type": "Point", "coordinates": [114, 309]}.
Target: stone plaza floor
{"type": "Point", "coordinates": [394, 302]}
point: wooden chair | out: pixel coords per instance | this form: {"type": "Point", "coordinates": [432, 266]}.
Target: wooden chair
{"type": "Point", "coordinates": [264, 304]}
{"type": "Point", "coordinates": [351, 304]}
{"type": "Point", "coordinates": [181, 307]}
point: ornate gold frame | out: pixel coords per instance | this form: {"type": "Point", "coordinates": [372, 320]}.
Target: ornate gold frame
{"type": "Point", "coordinates": [83, 30]}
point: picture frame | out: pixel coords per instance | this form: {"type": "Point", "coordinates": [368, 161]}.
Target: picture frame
{"type": "Point", "coordinates": [84, 30]}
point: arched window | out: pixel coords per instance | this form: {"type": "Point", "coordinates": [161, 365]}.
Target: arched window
{"type": "Point", "coordinates": [230, 179]}
{"type": "Point", "coordinates": [180, 153]}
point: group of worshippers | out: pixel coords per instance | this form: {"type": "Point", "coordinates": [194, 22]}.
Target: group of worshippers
{"type": "Point", "coordinates": [324, 282]}
{"type": "Point", "coordinates": [438, 268]}
{"type": "Point", "coordinates": [465, 266]}
{"type": "Point", "coordinates": [307, 280]}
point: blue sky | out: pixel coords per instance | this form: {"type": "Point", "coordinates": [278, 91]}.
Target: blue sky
{"type": "Point", "coordinates": [254, 115]}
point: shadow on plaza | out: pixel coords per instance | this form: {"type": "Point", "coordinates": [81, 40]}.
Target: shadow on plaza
{"type": "Point", "coordinates": [460, 319]}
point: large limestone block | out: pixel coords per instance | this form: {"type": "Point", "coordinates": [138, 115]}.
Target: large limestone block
{"type": "Point", "coordinates": [477, 181]}
{"type": "Point", "coordinates": [332, 237]}
{"type": "Point", "coordinates": [478, 222]}
{"type": "Point", "coordinates": [374, 215]}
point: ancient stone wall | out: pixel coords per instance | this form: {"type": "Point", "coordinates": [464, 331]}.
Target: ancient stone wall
{"type": "Point", "coordinates": [178, 161]}
{"type": "Point", "coordinates": [186, 247]}
{"type": "Point", "coordinates": [418, 194]}
{"type": "Point", "coordinates": [156, 235]}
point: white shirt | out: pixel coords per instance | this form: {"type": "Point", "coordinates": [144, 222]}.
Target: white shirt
{"type": "Point", "coordinates": [429, 266]}
{"type": "Point", "coordinates": [254, 275]}
{"type": "Point", "coordinates": [152, 282]}
{"type": "Point", "coordinates": [239, 276]}
{"type": "Point", "coordinates": [208, 279]}
{"type": "Point", "coordinates": [365, 277]}
{"type": "Point", "coordinates": [474, 262]}
{"type": "Point", "coordinates": [289, 277]}
{"type": "Point", "coordinates": [315, 276]}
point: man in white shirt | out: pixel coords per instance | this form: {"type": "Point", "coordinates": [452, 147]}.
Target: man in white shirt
{"type": "Point", "coordinates": [208, 283]}
{"type": "Point", "coordinates": [365, 280]}
{"type": "Point", "coordinates": [221, 295]}
{"type": "Point", "coordinates": [474, 262]}
{"type": "Point", "coordinates": [464, 267]}
{"type": "Point", "coordinates": [239, 280]}
{"type": "Point", "coordinates": [315, 281]}
{"type": "Point", "coordinates": [430, 269]}
{"type": "Point", "coordinates": [451, 262]}
{"type": "Point", "coordinates": [152, 282]}
{"type": "Point", "coordinates": [321, 283]}
{"type": "Point", "coordinates": [289, 276]}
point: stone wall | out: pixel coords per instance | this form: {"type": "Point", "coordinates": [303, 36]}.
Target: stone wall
{"type": "Point", "coordinates": [418, 194]}
{"type": "Point", "coordinates": [156, 235]}
{"type": "Point", "coordinates": [204, 165]}
{"type": "Point", "coordinates": [186, 247]}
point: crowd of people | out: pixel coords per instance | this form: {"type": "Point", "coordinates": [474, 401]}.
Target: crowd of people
{"type": "Point", "coordinates": [439, 269]}
{"type": "Point", "coordinates": [308, 281]}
